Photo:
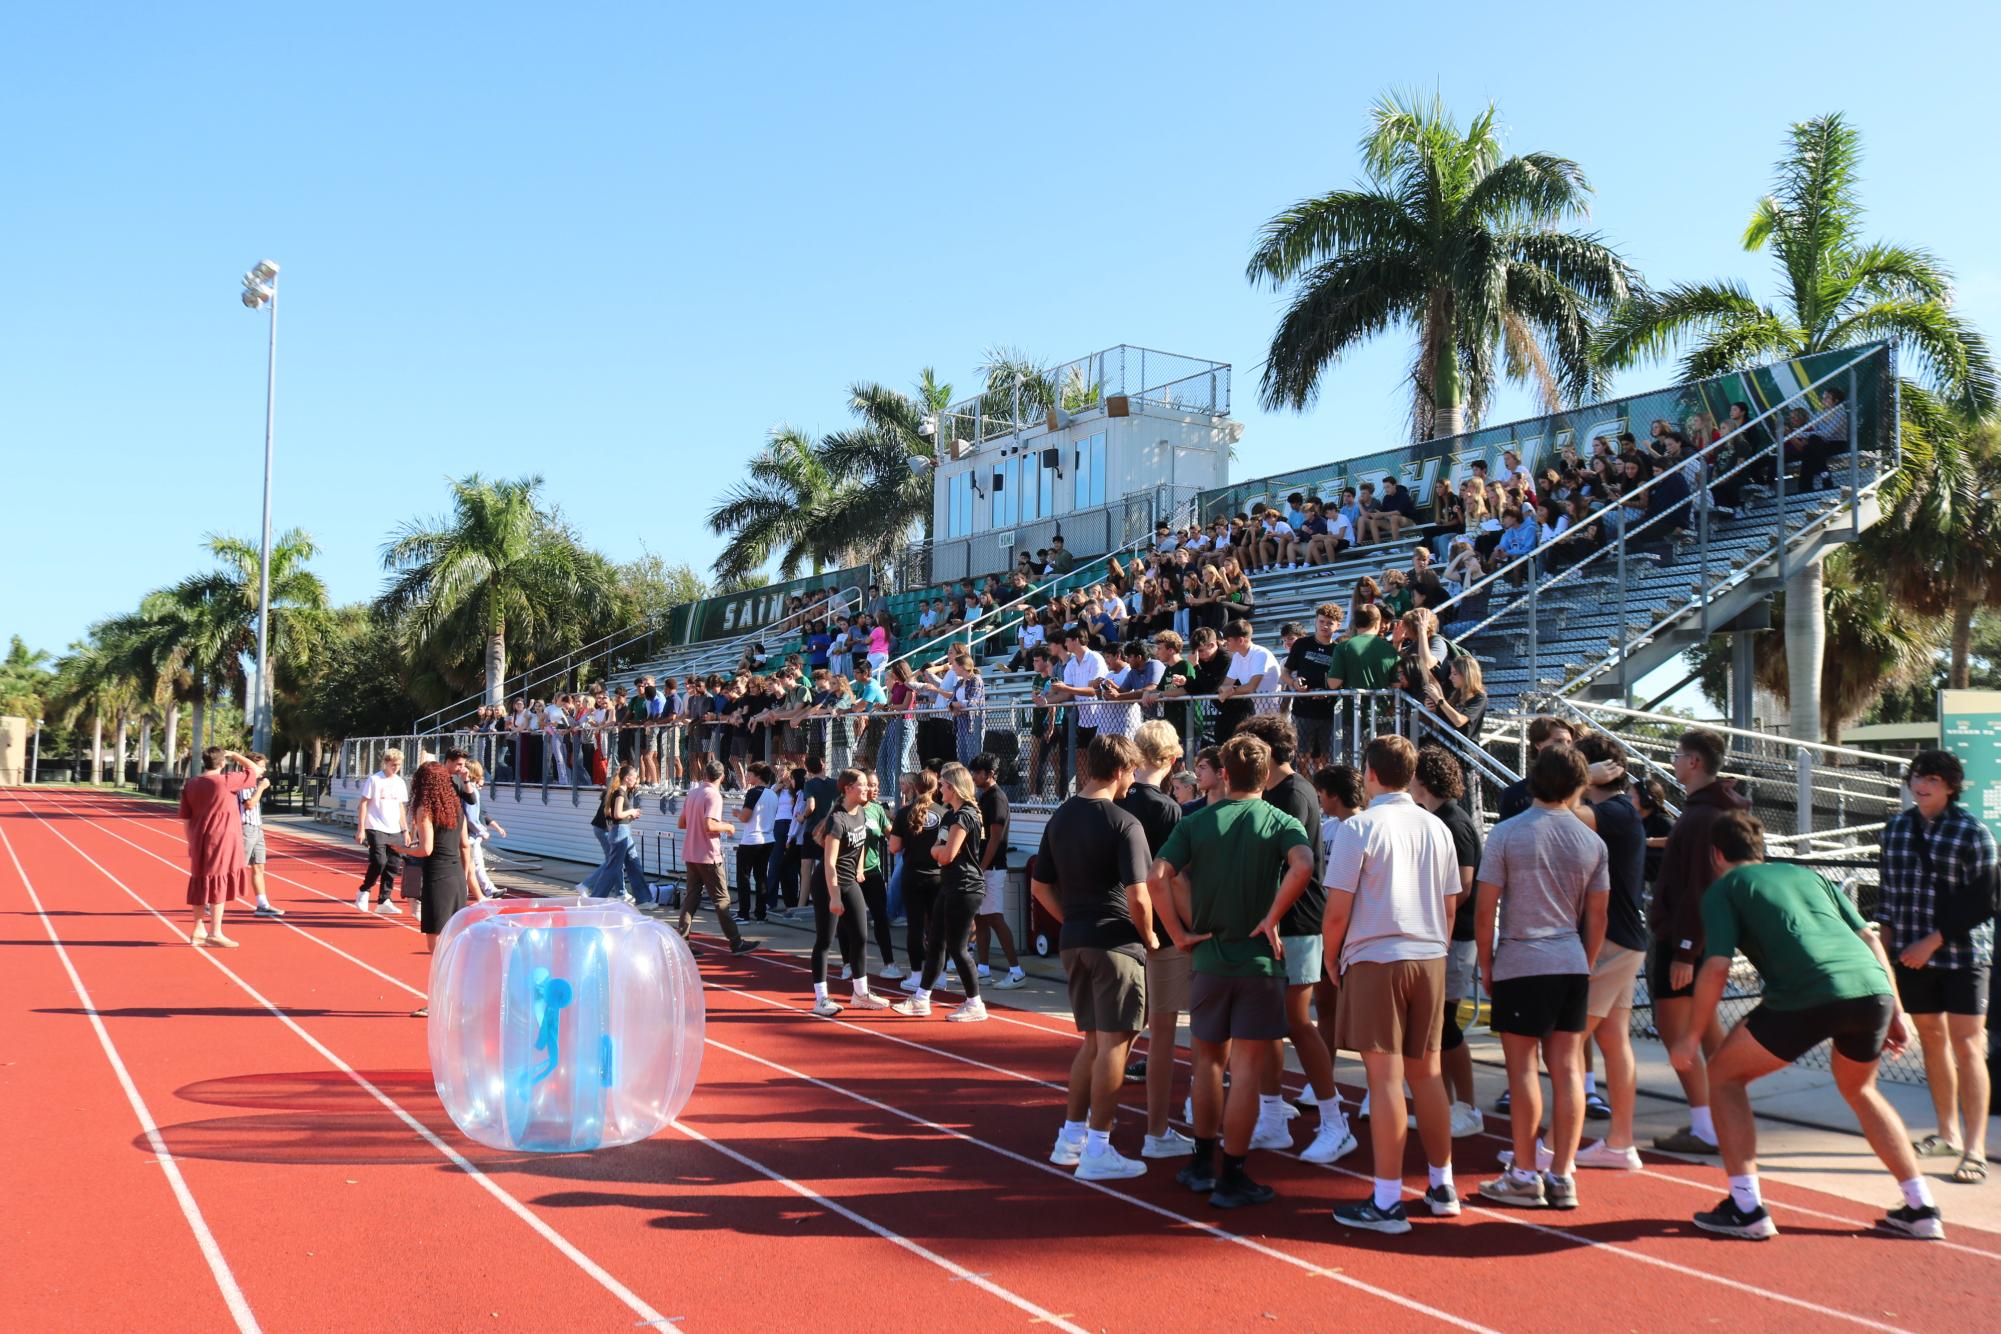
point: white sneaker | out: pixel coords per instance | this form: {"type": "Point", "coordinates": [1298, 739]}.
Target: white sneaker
{"type": "Point", "coordinates": [847, 973]}
{"type": "Point", "coordinates": [1362, 1112]}
{"type": "Point", "coordinates": [1331, 1143]}
{"type": "Point", "coordinates": [982, 974]}
{"type": "Point", "coordinates": [388, 908]}
{"type": "Point", "coordinates": [1308, 1098]}
{"type": "Point", "coordinates": [826, 1009]}
{"type": "Point", "coordinates": [971, 1012]}
{"type": "Point", "coordinates": [1466, 1120]}
{"type": "Point", "coordinates": [868, 1000]}
{"type": "Point", "coordinates": [1188, 1109]}
{"type": "Point", "coordinates": [1543, 1157]}
{"type": "Point", "coordinates": [1108, 1164]}
{"type": "Point", "coordinates": [1068, 1152]}
{"type": "Point", "coordinates": [1272, 1134]}
{"type": "Point", "coordinates": [917, 1007]}
{"type": "Point", "coordinates": [361, 901]}
{"type": "Point", "coordinates": [891, 973]}
{"type": "Point", "coordinates": [1173, 1144]}
{"type": "Point", "coordinates": [1007, 983]}
{"type": "Point", "coordinates": [912, 982]}
{"type": "Point", "coordinates": [1602, 1154]}
{"type": "Point", "coordinates": [1287, 1110]}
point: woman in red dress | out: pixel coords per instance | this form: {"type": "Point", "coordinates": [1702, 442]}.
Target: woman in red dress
{"type": "Point", "coordinates": [217, 871]}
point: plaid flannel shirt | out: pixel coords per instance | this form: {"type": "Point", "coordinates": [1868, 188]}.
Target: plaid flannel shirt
{"type": "Point", "coordinates": [1962, 853]}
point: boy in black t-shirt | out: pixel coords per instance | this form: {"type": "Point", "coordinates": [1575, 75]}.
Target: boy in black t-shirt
{"type": "Point", "coordinates": [992, 918]}
{"type": "Point", "coordinates": [1091, 875]}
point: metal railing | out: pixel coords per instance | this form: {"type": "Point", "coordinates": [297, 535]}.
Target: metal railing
{"type": "Point", "coordinates": [1101, 529]}
{"type": "Point", "coordinates": [1167, 381]}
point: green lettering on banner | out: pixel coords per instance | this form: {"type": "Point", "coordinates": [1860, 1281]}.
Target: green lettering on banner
{"type": "Point", "coordinates": [1969, 725]}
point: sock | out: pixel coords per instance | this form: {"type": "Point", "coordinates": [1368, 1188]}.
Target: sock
{"type": "Point", "coordinates": [860, 987]}
{"type": "Point", "coordinates": [1271, 1106]}
{"type": "Point", "coordinates": [983, 971]}
{"type": "Point", "coordinates": [262, 902]}
{"type": "Point", "coordinates": [819, 991]}
{"type": "Point", "coordinates": [1388, 1192]}
{"type": "Point", "coordinates": [1014, 970]}
{"type": "Point", "coordinates": [1075, 1129]}
{"type": "Point", "coordinates": [922, 993]}
{"type": "Point", "coordinates": [1702, 1123]}
{"type": "Point", "coordinates": [1205, 1154]}
{"type": "Point", "coordinates": [1590, 1082]}
{"type": "Point", "coordinates": [1917, 1192]}
{"type": "Point", "coordinates": [1097, 1141]}
{"type": "Point", "coordinates": [1744, 1193]}
{"type": "Point", "coordinates": [1442, 1176]}
{"type": "Point", "coordinates": [1233, 1165]}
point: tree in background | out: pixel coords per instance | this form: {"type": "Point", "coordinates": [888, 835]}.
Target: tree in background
{"type": "Point", "coordinates": [891, 458]}
{"type": "Point", "coordinates": [26, 681]}
{"type": "Point", "coordinates": [1453, 242]}
{"type": "Point", "coordinates": [1836, 291]}
{"type": "Point", "coordinates": [780, 510]}
{"type": "Point", "coordinates": [498, 565]}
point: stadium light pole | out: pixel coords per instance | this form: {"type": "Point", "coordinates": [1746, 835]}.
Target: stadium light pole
{"type": "Point", "coordinates": [260, 289]}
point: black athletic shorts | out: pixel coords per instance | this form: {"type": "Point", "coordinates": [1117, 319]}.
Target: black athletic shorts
{"type": "Point", "coordinates": [1858, 1028]}
{"type": "Point", "coordinates": [1943, 990]}
{"type": "Point", "coordinates": [1535, 1007]}
{"type": "Point", "coordinates": [1658, 964]}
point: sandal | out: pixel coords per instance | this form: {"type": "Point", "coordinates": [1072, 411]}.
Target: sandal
{"type": "Point", "coordinates": [1972, 1170]}
{"type": "Point", "coordinates": [1936, 1146]}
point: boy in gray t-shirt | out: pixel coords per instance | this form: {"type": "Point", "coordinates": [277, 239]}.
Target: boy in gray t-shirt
{"type": "Point", "coordinates": [1543, 883]}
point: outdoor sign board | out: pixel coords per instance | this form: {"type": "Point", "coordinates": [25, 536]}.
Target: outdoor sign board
{"type": "Point", "coordinates": [1969, 725]}
{"type": "Point", "coordinates": [739, 613]}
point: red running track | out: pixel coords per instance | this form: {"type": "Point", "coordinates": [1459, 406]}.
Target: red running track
{"type": "Point", "coordinates": [257, 1143]}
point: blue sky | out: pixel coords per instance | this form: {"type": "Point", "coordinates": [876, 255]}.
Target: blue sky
{"type": "Point", "coordinates": [615, 245]}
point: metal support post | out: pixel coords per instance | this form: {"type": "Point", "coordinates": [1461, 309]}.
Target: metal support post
{"type": "Point", "coordinates": [1625, 682]}
{"type": "Point", "coordinates": [1854, 461]}
{"type": "Point", "coordinates": [1804, 816]}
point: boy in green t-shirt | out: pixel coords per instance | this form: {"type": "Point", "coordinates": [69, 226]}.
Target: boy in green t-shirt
{"type": "Point", "coordinates": [1826, 978]}
{"type": "Point", "coordinates": [1222, 883]}
{"type": "Point", "coordinates": [1365, 661]}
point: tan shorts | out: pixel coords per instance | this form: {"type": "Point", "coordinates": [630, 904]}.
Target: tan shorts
{"type": "Point", "coordinates": [1398, 1008]}
{"type": "Point", "coordinates": [1107, 990]}
{"type": "Point", "coordinates": [1612, 980]}
{"type": "Point", "coordinates": [1167, 970]}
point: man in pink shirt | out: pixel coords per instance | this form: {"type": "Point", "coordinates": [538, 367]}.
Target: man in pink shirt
{"type": "Point", "coordinates": [702, 850]}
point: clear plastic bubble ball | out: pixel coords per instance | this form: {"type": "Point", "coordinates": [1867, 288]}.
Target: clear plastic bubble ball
{"type": "Point", "coordinates": [563, 1025]}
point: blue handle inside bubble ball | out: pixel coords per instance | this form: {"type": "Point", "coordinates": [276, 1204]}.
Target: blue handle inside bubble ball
{"type": "Point", "coordinates": [552, 994]}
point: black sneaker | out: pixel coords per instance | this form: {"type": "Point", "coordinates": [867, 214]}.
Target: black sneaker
{"type": "Point", "coordinates": [1136, 1070]}
{"type": "Point", "coordinates": [1442, 1200]}
{"type": "Point", "coordinates": [1926, 1224]}
{"type": "Point", "coordinates": [1596, 1108]}
{"type": "Point", "coordinates": [743, 946]}
{"type": "Point", "coordinates": [1366, 1216]}
{"type": "Point", "coordinates": [1502, 1103]}
{"type": "Point", "coordinates": [1237, 1191]}
{"type": "Point", "coordinates": [1198, 1177]}
{"type": "Point", "coordinates": [1727, 1220]}
{"type": "Point", "coordinates": [266, 910]}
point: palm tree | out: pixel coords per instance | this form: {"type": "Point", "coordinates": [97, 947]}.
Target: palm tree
{"type": "Point", "coordinates": [1455, 243]}
{"type": "Point", "coordinates": [498, 564]}
{"type": "Point", "coordinates": [1943, 555]}
{"type": "Point", "coordinates": [781, 509]}
{"type": "Point", "coordinates": [24, 680]}
{"type": "Point", "coordinates": [1837, 291]}
{"type": "Point", "coordinates": [889, 457]}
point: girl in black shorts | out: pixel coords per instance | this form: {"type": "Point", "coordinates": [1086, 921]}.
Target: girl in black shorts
{"type": "Point", "coordinates": [912, 836]}
{"type": "Point", "coordinates": [961, 887]}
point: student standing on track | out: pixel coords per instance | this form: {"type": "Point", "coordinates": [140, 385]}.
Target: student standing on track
{"type": "Point", "coordinates": [911, 836]}
{"type": "Point", "coordinates": [956, 850]}
{"type": "Point", "coordinates": [992, 919]}
{"type": "Point", "coordinates": [1395, 880]}
{"type": "Point", "coordinates": [753, 848]}
{"type": "Point", "coordinates": [1677, 923]}
{"type": "Point", "coordinates": [382, 824]}
{"type": "Point", "coordinates": [1439, 785]}
{"type": "Point", "coordinates": [1339, 788]}
{"type": "Point", "coordinates": [1229, 872]}
{"type": "Point", "coordinates": [838, 905]}
{"type": "Point", "coordinates": [1091, 876]}
{"type": "Point", "coordinates": [1938, 891]}
{"type": "Point", "coordinates": [438, 851]}
{"type": "Point", "coordinates": [1167, 964]}
{"type": "Point", "coordinates": [702, 852]}
{"type": "Point", "coordinates": [217, 872]}
{"type": "Point", "coordinates": [1303, 958]}
{"type": "Point", "coordinates": [1826, 977]}
{"type": "Point", "coordinates": [817, 799]}
{"type": "Point", "coordinates": [252, 799]}
{"type": "Point", "coordinates": [479, 828]}
{"type": "Point", "coordinates": [1624, 833]}
{"type": "Point", "coordinates": [1545, 873]}
{"type": "Point", "coordinates": [875, 885]}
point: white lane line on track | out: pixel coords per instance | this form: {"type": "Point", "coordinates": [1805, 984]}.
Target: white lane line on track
{"type": "Point", "coordinates": [781, 961]}
{"type": "Point", "coordinates": [1575, 1238]}
{"type": "Point", "coordinates": [562, 1244]}
{"type": "Point", "coordinates": [958, 1272]}
{"type": "Point", "coordinates": [1220, 1234]}
{"type": "Point", "coordinates": [225, 1279]}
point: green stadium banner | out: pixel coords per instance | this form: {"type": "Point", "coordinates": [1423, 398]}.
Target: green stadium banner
{"type": "Point", "coordinates": [739, 613]}
{"type": "Point", "coordinates": [1540, 441]}
{"type": "Point", "coordinates": [1969, 725]}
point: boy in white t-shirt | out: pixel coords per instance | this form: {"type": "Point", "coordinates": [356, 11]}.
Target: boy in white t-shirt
{"type": "Point", "coordinates": [382, 824]}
